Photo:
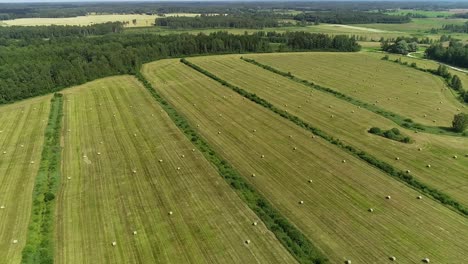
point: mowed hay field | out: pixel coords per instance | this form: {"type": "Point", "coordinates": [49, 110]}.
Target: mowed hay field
{"type": "Point", "coordinates": [350, 124]}
{"type": "Point", "coordinates": [114, 184]}
{"type": "Point", "coordinates": [141, 20]}
{"type": "Point", "coordinates": [335, 213]}
{"type": "Point", "coordinates": [22, 127]}
{"type": "Point", "coordinates": [402, 90]}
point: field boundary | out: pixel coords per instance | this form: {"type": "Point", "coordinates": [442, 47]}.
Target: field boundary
{"type": "Point", "coordinates": [39, 246]}
{"type": "Point", "coordinates": [396, 118]}
{"type": "Point", "coordinates": [388, 169]}
{"type": "Point", "coordinates": [300, 247]}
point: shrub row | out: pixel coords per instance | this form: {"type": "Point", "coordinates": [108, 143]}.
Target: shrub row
{"type": "Point", "coordinates": [39, 248]}
{"type": "Point", "coordinates": [381, 165]}
{"type": "Point", "coordinates": [393, 134]}
{"type": "Point", "coordinates": [396, 118]}
{"type": "Point", "coordinates": [295, 242]}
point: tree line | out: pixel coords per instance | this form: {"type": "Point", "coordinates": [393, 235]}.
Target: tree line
{"type": "Point", "coordinates": [20, 32]}
{"type": "Point", "coordinates": [218, 21]}
{"type": "Point", "coordinates": [455, 54]}
{"type": "Point", "coordinates": [351, 17]}
{"type": "Point", "coordinates": [31, 68]}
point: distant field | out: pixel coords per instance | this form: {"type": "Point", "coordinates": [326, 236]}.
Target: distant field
{"type": "Point", "coordinates": [113, 184]}
{"type": "Point", "coordinates": [368, 78]}
{"type": "Point", "coordinates": [335, 211]}
{"type": "Point", "coordinates": [141, 20]}
{"type": "Point", "coordinates": [416, 25]}
{"type": "Point", "coordinates": [403, 12]}
{"type": "Point", "coordinates": [332, 29]}
{"type": "Point", "coordinates": [351, 124]}
{"type": "Point", "coordinates": [21, 138]}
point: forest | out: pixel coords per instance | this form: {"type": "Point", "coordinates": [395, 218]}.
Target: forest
{"type": "Point", "coordinates": [21, 32]}
{"type": "Point", "coordinates": [31, 68]}
{"type": "Point", "coordinates": [219, 21]}
{"type": "Point", "coordinates": [455, 54]}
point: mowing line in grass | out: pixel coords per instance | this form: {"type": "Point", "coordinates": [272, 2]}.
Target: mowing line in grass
{"type": "Point", "coordinates": [383, 166]}
{"type": "Point", "coordinates": [398, 119]}
{"type": "Point", "coordinates": [291, 238]}
{"type": "Point", "coordinates": [39, 245]}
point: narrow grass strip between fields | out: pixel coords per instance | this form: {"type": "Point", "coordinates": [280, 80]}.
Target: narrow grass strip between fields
{"type": "Point", "coordinates": [373, 161]}
{"type": "Point", "coordinates": [398, 119]}
{"type": "Point", "coordinates": [39, 248]}
{"type": "Point", "coordinates": [290, 237]}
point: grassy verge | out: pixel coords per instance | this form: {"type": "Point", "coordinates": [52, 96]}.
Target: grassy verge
{"type": "Point", "coordinates": [396, 118]}
{"type": "Point", "coordinates": [39, 245]}
{"type": "Point", "coordinates": [381, 165]}
{"type": "Point", "coordinates": [296, 243]}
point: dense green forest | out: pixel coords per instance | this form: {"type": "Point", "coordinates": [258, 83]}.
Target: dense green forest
{"type": "Point", "coordinates": [456, 28]}
{"type": "Point", "coordinates": [35, 67]}
{"type": "Point", "coordinates": [350, 17]}
{"type": "Point", "coordinates": [219, 21]}
{"type": "Point", "coordinates": [20, 32]}
{"type": "Point", "coordinates": [455, 54]}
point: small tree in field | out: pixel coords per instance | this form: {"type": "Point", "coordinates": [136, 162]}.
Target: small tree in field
{"type": "Point", "coordinates": [465, 96]}
{"type": "Point", "coordinates": [460, 122]}
{"type": "Point", "coordinates": [456, 83]}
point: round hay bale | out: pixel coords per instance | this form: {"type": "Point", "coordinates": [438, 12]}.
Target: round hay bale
{"type": "Point", "coordinates": [332, 116]}
{"type": "Point", "coordinates": [114, 243]}
{"type": "Point", "coordinates": [426, 260]}
{"type": "Point", "coordinates": [15, 241]}
{"type": "Point", "coordinates": [219, 132]}
{"type": "Point", "coordinates": [309, 181]}
{"type": "Point", "coordinates": [419, 149]}
{"type": "Point", "coordinates": [32, 162]}
{"type": "Point", "coordinates": [170, 212]}
{"type": "Point", "coordinates": [182, 156]}
{"type": "Point", "coordinates": [2, 207]}
{"type": "Point", "coordinates": [455, 156]}
{"type": "Point", "coordinates": [392, 258]}
{"type": "Point", "coordinates": [99, 153]}
{"type": "Point", "coordinates": [160, 160]}
{"type": "Point", "coordinates": [294, 148]}
{"type": "Point", "coordinates": [178, 168]}
{"type": "Point", "coordinates": [371, 210]}
{"type": "Point", "coordinates": [247, 241]}
{"type": "Point", "coordinates": [193, 150]}
{"type": "Point", "coordinates": [419, 197]}
{"type": "Point", "coordinates": [69, 178]}
{"type": "Point", "coordinates": [388, 197]}
{"type": "Point", "coordinates": [344, 161]}
{"type": "Point", "coordinates": [22, 145]}
{"type": "Point", "coordinates": [263, 156]}
{"type": "Point", "coordinates": [253, 175]}
{"type": "Point", "coordinates": [290, 136]}
{"type": "Point", "coordinates": [428, 165]}
{"type": "Point", "coordinates": [255, 223]}
{"type": "Point", "coordinates": [301, 202]}
{"type": "Point", "coordinates": [408, 171]}
{"type": "Point", "coordinates": [198, 125]}
{"type": "Point", "coordinates": [135, 232]}
{"type": "Point", "coordinates": [84, 156]}
{"type": "Point", "coordinates": [347, 261]}
{"type": "Point", "coordinates": [134, 171]}
{"type": "Point", "coordinates": [4, 152]}
{"type": "Point", "coordinates": [397, 158]}
{"type": "Point", "coordinates": [254, 130]}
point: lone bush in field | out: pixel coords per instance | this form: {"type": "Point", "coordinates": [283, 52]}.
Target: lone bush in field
{"type": "Point", "coordinates": [393, 134]}
{"type": "Point", "coordinates": [456, 83]}
{"type": "Point", "coordinates": [460, 122]}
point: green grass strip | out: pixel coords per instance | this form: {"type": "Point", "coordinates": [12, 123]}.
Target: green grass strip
{"type": "Point", "coordinates": [398, 119]}
{"type": "Point", "coordinates": [290, 237]}
{"type": "Point", "coordinates": [39, 248]}
{"type": "Point", "coordinates": [381, 165]}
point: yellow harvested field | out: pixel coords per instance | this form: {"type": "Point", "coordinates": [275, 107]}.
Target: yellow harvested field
{"type": "Point", "coordinates": [141, 20]}
{"type": "Point", "coordinates": [22, 127]}
{"type": "Point", "coordinates": [411, 93]}
{"type": "Point", "coordinates": [350, 124]}
{"type": "Point", "coordinates": [131, 177]}
{"type": "Point", "coordinates": [337, 189]}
